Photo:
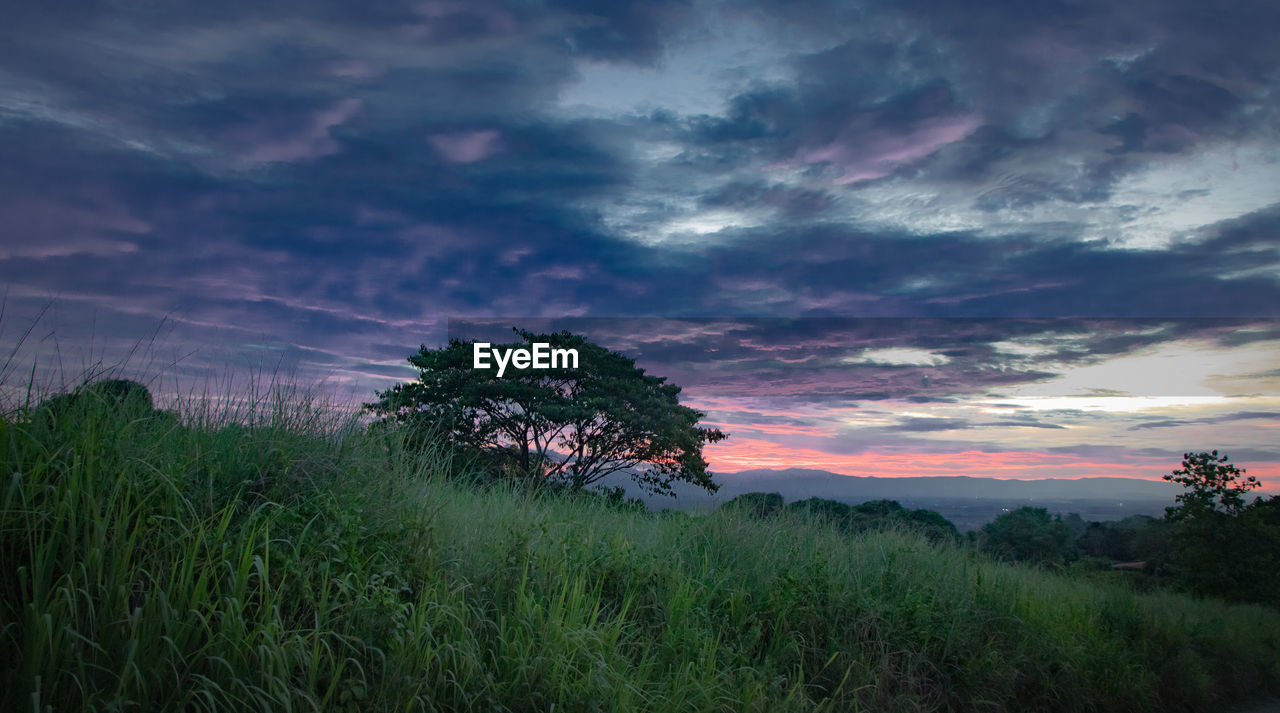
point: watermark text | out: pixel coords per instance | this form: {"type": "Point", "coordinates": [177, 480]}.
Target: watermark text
{"type": "Point", "coordinates": [540, 355]}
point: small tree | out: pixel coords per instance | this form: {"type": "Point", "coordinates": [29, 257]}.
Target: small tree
{"type": "Point", "coordinates": [1029, 534]}
{"type": "Point", "coordinates": [761, 505]}
{"type": "Point", "coordinates": [120, 397]}
{"type": "Point", "coordinates": [1222, 544]}
{"type": "Point", "coordinates": [576, 425]}
{"type": "Point", "coordinates": [1106, 540]}
{"type": "Point", "coordinates": [1212, 484]}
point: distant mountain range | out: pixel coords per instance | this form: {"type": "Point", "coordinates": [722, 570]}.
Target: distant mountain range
{"type": "Point", "coordinates": [968, 502]}
{"type": "Point", "coordinates": [796, 483]}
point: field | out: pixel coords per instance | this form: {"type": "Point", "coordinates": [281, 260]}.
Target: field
{"type": "Point", "coordinates": [272, 555]}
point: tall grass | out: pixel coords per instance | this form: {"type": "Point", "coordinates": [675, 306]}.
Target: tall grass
{"type": "Point", "coordinates": [268, 555]}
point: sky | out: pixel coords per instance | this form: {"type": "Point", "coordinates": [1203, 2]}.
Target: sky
{"type": "Point", "coordinates": [889, 238]}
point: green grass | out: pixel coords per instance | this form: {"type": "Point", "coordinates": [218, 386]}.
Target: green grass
{"type": "Point", "coordinates": [299, 563]}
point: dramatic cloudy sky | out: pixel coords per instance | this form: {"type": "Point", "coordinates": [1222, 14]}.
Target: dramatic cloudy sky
{"type": "Point", "coordinates": [920, 237]}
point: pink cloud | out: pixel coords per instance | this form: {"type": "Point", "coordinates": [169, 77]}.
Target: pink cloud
{"type": "Point", "coordinates": [467, 146]}
{"type": "Point", "coordinates": [864, 151]}
{"type": "Point", "coordinates": [744, 453]}
{"type": "Point", "coordinates": [512, 256]}
{"type": "Point", "coordinates": [313, 141]}
{"type": "Point", "coordinates": [356, 69]}
{"type": "Point", "coordinates": [559, 272]}
{"type": "Point", "coordinates": [93, 223]}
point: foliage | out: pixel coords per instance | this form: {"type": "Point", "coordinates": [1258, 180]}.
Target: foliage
{"type": "Point", "coordinates": [1212, 485]}
{"type": "Point", "coordinates": [573, 424]}
{"type": "Point", "coordinates": [823, 509]}
{"type": "Point", "coordinates": [120, 397]}
{"type": "Point", "coordinates": [1029, 534]}
{"type": "Point", "coordinates": [1106, 540]}
{"type": "Point", "coordinates": [283, 565]}
{"type": "Point", "coordinates": [1259, 551]}
{"type": "Point", "coordinates": [932, 525]}
{"type": "Point", "coordinates": [156, 566]}
{"type": "Point", "coordinates": [761, 505]}
{"type": "Point", "coordinates": [873, 515]}
{"type": "Point", "coordinates": [1223, 545]}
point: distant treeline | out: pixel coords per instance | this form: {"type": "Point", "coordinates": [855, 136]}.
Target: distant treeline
{"type": "Point", "coordinates": [872, 515]}
{"type": "Point", "coordinates": [1230, 556]}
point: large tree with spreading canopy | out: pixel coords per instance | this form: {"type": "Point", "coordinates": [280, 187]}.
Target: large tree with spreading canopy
{"type": "Point", "coordinates": [576, 425]}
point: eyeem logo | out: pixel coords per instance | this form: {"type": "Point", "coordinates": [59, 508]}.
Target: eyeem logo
{"type": "Point", "coordinates": [541, 356]}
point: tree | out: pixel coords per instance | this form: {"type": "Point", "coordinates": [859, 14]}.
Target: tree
{"type": "Point", "coordinates": [761, 505]}
{"type": "Point", "coordinates": [1223, 544]}
{"type": "Point", "coordinates": [823, 509]}
{"type": "Point", "coordinates": [573, 424]}
{"type": "Point", "coordinates": [1029, 535]}
{"type": "Point", "coordinates": [876, 515]}
{"type": "Point", "coordinates": [118, 397]}
{"type": "Point", "coordinates": [933, 525]}
{"type": "Point", "coordinates": [1213, 485]}
{"type": "Point", "coordinates": [1260, 525]}
{"type": "Point", "coordinates": [1106, 540]}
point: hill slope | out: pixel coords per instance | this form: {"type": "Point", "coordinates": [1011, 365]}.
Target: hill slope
{"type": "Point", "coordinates": [211, 566]}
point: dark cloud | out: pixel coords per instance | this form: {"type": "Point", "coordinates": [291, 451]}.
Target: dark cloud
{"type": "Point", "coordinates": [1224, 418]}
{"type": "Point", "coordinates": [930, 424]}
{"type": "Point", "coordinates": [1160, 423]}
{"type": "Point", "coordinates": [1027, 423]}
{"type": "Point", "coordinates": [622, 31]}
{"type": "Point", "coordinates": [843, 362]}
{"type": "Point", "coordinates": [1065, 101]}
{"type": "Point", "coordinates": [343, 181]}
{"type": "Point", "coordinates": [794, 201]}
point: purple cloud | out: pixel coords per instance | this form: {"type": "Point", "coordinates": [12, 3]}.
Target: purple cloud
{"type": "Point", "coordinates": [312, 140]}
{"type": "Point", "coordinates": [467, 146]}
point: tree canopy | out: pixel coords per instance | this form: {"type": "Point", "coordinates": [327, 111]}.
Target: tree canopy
{"type": "Point", "coordinates": [576, 425]}
{"type": "Point", "coordinates": [1225, 545]}
{"type": "Point", "coordinates": [1212, 483]}
{"type": "Point", "coordinates": [1029, 534]}
{"type": "Point", "coordinates": [863, 517]}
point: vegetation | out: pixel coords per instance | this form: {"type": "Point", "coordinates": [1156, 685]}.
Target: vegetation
{"type": "Point", "coordinates": [1213, 486]}
{"type": "Point", "coordinates": [1137, 537]}
{"type": "Point", "coordinates": [1214, 542]}
{"type": "Point", "coordinates": [264, 555]}
{"type": "Point", "coordinates": [1224, 545]}
{"type": "Point", "coordinates": [1029, 534]}
{"type": "Point", "coordinates": [603, 416]}
{"type": "Point", "coordinates": [873, 515]}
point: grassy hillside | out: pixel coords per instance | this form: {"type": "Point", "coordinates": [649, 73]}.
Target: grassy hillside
{"type": "Point", "coordinates": [299, 563]}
